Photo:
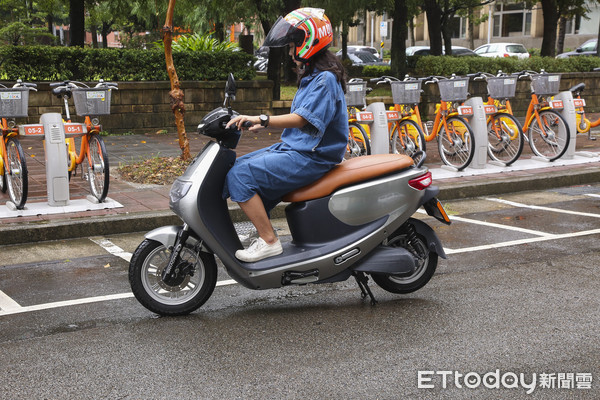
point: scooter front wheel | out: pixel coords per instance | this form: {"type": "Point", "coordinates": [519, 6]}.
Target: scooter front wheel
{"type": "Point", "coordinates": [426, 265]}
{"type": "Point", "coordinates": [195, 282]}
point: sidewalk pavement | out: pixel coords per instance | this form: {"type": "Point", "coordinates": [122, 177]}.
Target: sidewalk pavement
{"type": "Point", "coordinates": [137, 208]}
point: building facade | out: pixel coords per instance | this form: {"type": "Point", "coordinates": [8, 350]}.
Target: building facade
{"type": "Point", "coordinates": [507, 21]}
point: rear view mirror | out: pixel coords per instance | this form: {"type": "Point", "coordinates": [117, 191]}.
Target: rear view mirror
{"type": "Point", "coordinates": [230, 88]}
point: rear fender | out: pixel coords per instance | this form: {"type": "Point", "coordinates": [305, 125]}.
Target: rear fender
{"type": "Point", "coordinates": [433, 242]}
{"type": "Point", "coordinates": [167, 235]}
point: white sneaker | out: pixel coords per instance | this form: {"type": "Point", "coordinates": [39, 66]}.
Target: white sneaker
{"type": "Point", "coordinates": [258, 250]}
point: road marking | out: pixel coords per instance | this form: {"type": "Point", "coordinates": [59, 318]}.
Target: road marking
{"type": "Point", "coordinates": [112, 248]}
{"type": "Point", "coordinates": [494, 225]}
{"type": "Point", "coordinates": [522, 241]}
{"type": "Point", "coordinates": [592, 195]}
{"type": "Point", "coordinates": [7, 304]}
{"type": "Point", "coordinates": [65, 303]}
{"type": "Point", "coordinates": [557, 210]}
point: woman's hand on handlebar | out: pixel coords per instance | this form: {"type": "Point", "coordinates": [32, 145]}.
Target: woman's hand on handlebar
{"type": "Point", "coordinates": [245, 122]}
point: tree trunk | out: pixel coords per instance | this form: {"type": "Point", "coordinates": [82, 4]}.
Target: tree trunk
{"type": "Point", "coordinates": [176, 94]}
{"type": "Point", "coordinates": [471, 28]}
{"type": "Point", "coordinates": [399, 36]}
{"type": "Point", "coordinates": [77, 23]}
{"type": "Point", "coordinates": [560, 40]}
{"type": "Point", "coordinates": [94, 36]}
{"type": "Point", "coordinates": [105, 32]}
{"type": "Point", "coordinates": [434, 17]}
{"type": "Point", "coordinates": [550, 14]}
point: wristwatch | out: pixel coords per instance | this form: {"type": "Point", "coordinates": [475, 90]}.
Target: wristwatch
{"type": "Point", "coordinates": [264, 120]}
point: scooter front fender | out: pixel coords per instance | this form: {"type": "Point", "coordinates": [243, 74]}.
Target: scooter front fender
{"type": "Point", "coordinates": [167, 235]}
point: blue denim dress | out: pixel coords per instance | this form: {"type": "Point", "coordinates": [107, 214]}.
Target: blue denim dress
{"type": "Point", "coordinates": [303, 155]}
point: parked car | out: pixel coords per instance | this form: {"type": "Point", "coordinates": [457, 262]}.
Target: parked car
{"type": "Point", "coordinates": [353, 49]}
{"type": "Point", "coordinates": [360, 58]}
{"type": "Point", "coordinates": [586, 49]}
{"type": "Point", "coordinates": [503, 50]}
{"type": "Point", "coordinates": [424, 51]}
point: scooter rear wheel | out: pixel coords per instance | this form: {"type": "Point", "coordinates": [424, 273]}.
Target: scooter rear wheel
{"type": "Point", "coordinates": [402, 284]}
{"type": "Point", "coordinates": [192, 288]}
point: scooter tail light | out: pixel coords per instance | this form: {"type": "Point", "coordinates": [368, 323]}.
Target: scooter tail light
{"type": "Point", "coordinates": [421, 182]}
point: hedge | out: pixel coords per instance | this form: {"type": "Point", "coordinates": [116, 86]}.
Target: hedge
{"type": "Point", "coordinates": [46, 63]}
{"type": "Point", "coordinates": [446, 66]}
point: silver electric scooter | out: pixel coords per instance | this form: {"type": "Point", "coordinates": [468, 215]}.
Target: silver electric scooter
{"type": "Point", "coordinates": [354, 221]}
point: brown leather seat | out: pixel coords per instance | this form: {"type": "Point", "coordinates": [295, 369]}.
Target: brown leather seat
{"type": "Point", "coordinates": [351, 171]}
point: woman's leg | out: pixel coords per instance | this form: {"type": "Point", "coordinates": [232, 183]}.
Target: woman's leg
{"type": "Point", "coordinates": [255, 210]}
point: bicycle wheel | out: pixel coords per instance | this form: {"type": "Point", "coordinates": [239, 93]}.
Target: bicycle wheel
{"type": "Point", "coordinates": [15, 172]}
{"type": "Point", "coordinates": [550, 140]}
{"type": "Point", "coordinates": [2, 174]}
{"type": "Point", "coordinates": [358, 142]}
{"type": "Point", "coordinates": [98, 171]}
{"type": "Point", "coordinates": [407, 138]}
{"type": "Point", "coordinates": [505, 138]}
{"type": "Point", "coordinates": [457, 146]}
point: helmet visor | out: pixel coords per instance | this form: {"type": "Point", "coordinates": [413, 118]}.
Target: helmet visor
{"type": "Point", "coordinates": [283, 33]}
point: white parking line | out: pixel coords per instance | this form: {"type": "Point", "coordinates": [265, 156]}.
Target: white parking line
{"type": "Point", "coordinates": [592, 195]}
{"type": "Point", "coordinates": [7, 304]}
{"type": "Point", "coordinates": [533, 207]}
{"type": "Point", "coordinates": [494, 225]}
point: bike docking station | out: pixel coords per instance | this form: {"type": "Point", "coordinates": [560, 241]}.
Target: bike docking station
{"type": "Point", "coordinates": [380, 140]}
{"type": "Point", "coordinates": [474, 112]}
{"type": "Point", "coordinates": [53, 132]}
{"type": "Point", "coordinates": [564, 104]}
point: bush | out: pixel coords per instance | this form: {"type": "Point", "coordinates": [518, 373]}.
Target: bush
{"type": "Point", "coordinates": [445, 66]}
{"type": "Point", "coordinates": [44, 63]}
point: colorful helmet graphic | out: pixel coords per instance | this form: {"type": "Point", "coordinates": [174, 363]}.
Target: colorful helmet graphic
{"type": "Point", "coordinates": [308, 28]}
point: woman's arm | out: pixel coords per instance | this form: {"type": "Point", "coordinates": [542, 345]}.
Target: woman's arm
{"type": "Point", "coordinates": [275, 121]}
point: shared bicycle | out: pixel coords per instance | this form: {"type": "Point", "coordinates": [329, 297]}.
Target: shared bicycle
{"type": "Point", "coordinates": [505, 134]}
{"type": "Point", "coordinates": [359, 143]}
{"type": "Point", "coordinates": [406, 133]}
{"type": "Point", "coordinates": [547, 131]}
{"type": "Point", "coordinates": [584, 125]}
{"type": "Point", "coordinates": [13, 166]}
{"type": "Point", "coordinates": [90, 102]}
{"type": "Point", "coordinates": [456, 140]}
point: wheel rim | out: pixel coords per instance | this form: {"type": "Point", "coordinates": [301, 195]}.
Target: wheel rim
{"type": "Point", "coordinates": [187, 287]}
{"type": "Point", "coordinates": [504, 139]}
{"type": "Point", "coordinates": [456, 146]}
{"type": "Point", "coordinates": [550, 140]}
{"type": "Point", "coordinates": [356, 146]}
{"type": "Point", "coordinates": [401, 241]}
{"type": "Point", "coordinates": [16, 177]}
{"type": "Point", "coordinates": [97, 170]}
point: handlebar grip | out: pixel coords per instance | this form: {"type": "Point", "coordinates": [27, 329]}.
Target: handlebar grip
{"type": "Point", "coordinates": [55, 84]}
{"type": "Point", "coordinates": [247, 124]}
{"type": "Point", "coordinates": [375, 80]}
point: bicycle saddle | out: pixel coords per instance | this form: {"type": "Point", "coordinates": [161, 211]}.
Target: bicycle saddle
{"type": "Point", "coordinates": [59, 91]}
{"type": "Point", "coordinates": [578, 88]}
{"type": "Point", "coordinates": [351, 171]}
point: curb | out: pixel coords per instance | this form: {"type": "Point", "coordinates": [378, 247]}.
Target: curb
{"type": "Point", "coordinates": [143, 222]}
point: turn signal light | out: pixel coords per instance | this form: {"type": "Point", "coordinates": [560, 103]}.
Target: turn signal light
{"type": "Point", "coordinates": [421, 182]}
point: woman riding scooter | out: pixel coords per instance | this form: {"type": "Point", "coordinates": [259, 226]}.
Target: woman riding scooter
{"type": "Point", "coordinates": [314, 136]}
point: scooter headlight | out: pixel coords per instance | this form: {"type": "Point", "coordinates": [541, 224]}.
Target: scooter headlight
{"type": "Point", "coordinates": [179, 190]}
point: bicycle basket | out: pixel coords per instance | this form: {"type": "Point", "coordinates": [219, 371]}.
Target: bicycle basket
{"type": "Point", "coordinates": [502, 87]}
{"type": "Point", "coordinates": [454, 89]}
{"type": "Point", "coordinates": [406, 92]}
{"type": "Point", "coordinates": [355, 94]}
{"type": "Point", "coordinates": [91, 101]}
{"type": "Point", "coordinates": [545, 84]}
{"type": "Point", "coordinates": [14, 102]}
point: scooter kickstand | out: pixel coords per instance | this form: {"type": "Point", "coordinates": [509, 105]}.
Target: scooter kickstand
{"type": "Point", "coordinates": [362, 281]}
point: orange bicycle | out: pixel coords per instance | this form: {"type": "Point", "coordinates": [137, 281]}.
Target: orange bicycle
{"type": "Point", "coordinates": [505, 134]}
{"type": "Point", "coordinates": [13, 167]}
{"type": "Point", "coordinates": [406, 133]}
{"type": "Point", "coordinates": [90, 102]}
{"type": "Point", "coordinates": [456, 140]}
{"type": "Point", "coordinates": [584, 125]}
{"type": "Point", "coordinates": [548, 132]}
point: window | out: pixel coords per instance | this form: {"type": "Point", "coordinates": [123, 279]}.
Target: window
{"type": "Point", "coordinates": [458, 27]}
{"type": "Point", "coordinates": [511, 19]}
